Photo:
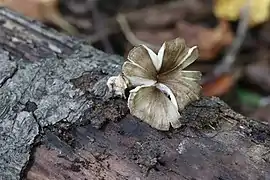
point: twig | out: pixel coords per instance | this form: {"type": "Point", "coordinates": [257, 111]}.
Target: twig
{"type": "Point", "coordinates": [97, 36]}
{"type": "Point", "coordinates": [231, 53]}
{"type": "Point", "coordinates": [99, 20]}
{"type": "Point", "coordinates": [130, 36]}
{"type": "Point", "coordinates": [57, 19]}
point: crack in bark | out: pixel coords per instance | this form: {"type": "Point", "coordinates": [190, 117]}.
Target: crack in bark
{"type": "Point", "coordinates": [8, 77]}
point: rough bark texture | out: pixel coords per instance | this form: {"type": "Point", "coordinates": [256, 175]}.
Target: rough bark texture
{"type": "Point", "coordinates": [57, 120]}
{"type": "Point", "coordinates": [37, 67]}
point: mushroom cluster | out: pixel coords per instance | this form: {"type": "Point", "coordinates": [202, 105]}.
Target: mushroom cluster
{"type": "Point", "coordinates": [161, 87]}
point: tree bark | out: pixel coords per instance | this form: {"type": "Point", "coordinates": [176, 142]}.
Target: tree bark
{"type": "Point", "coordinates": [58, 120]}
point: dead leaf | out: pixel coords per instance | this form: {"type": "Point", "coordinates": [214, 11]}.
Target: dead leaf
{"type": "Point", "coordinates": [263, 114]}
{"type": "Point", "coordinates": [210, 41]}
{"type": "Point", "coordinates": [166, 14]}
{"type": "Point", "coordinates": [42, 10]}
{"type": "Point", "coordinates": [156, 37]}
{"type": "Point", "coordinates": [220, 86]}
{"type": "Point", "coordinates": [259, 72]}
{"type": "Point", "coordinates": [231, 9]}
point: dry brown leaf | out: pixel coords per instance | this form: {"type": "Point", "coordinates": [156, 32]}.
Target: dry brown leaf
{"type": "Point", "coordinates": [156, 37]}
{"type": "Point", "coordinates": [220, 86]}
{"type": "Point", "coordinates": [262, 114]}
{"type": "Point", "coordinates": [166, 14]}
{"type": "Point", "coordinates": [258, 73]}
{"type": "Point", "coordinates": [209, 41]}
{"type": "Point", "coordinates": [42, 10]}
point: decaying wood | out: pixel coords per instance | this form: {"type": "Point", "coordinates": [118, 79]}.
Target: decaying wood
{"type": "Point", "coordinates": [57, 120]}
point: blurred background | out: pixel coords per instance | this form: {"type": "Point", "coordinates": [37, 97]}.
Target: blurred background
{"type": "Point", "coordinates": [233, 37]}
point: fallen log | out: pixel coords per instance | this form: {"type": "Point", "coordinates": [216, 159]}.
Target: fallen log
{"type": "Point", "coordinates": [58, 121]}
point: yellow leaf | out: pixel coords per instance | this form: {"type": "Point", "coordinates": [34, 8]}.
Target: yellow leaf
{"type": "Point", "coordinates": [230, 10]}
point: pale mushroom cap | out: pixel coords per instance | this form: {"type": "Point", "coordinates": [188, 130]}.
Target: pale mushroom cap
{"type": "Point", "coordinates": [138, 75]}
{"type": "Point", "coordinates": [140, 56]}
{"type": "Point", "coordinates": [153, 107]}
{"type": "Point", "coordinates": [118, 84]}
{"type": "Point", "coordinates": [163, 87]}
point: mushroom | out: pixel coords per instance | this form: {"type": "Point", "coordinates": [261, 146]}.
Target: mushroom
{"type": "Point", "coordinates": [162, 87]}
